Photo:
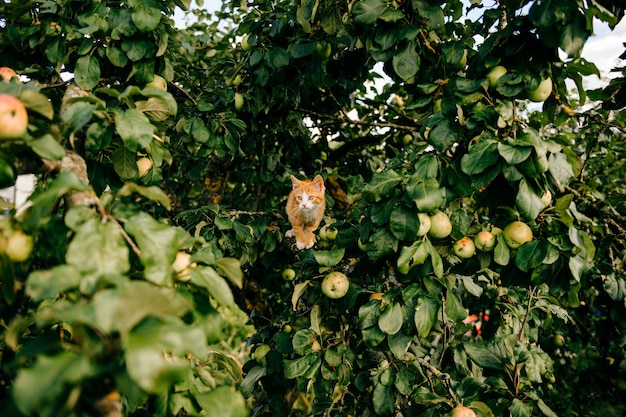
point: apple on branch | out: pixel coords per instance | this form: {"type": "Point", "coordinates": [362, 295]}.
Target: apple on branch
{"type": "Point", "coordinates": [13, 117]}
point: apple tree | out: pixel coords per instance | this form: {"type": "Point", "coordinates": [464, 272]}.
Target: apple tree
{"type": "Point", "coordinates": [474, 203]}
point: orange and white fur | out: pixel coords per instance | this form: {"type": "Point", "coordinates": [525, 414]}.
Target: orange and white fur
{"type": "Point", "coordinates": [305, 209]}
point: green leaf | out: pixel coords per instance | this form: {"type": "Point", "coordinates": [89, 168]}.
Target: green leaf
{"type": "Point", "coordinates": [98, 249]}
{"type": "Point", "coordinates": [207, 277]}
{"type": "Point", "coordinates": [413, 255]}
{"type": "Point", "coordinates": [574, 36]}
{"type": "Point", "coordinates": [303, 340]}
{"type": "Point", "coordinates": [390, 320]}
{"type": "Point", "coordinates": [383, 400]}
{"type": "Point", "coordinates": [134, 128]}
{"type": "Point", "coordinates": [527, 201]}
{"type": "Point", "coordinates": [224, 401]}
{"type": "Point", "coordinates": [366, 12]}
{"type": "Point", "coordinates": [425, 315]}
{"type": "Point", "coordinates": [300, 50]}
{"type": "Point", "coordinates": [403, 222]}
{"type": "Point", "coordinates": [501, 253]}
{"type": "Point", "coordinates": [514, 154]}
{"type": "Point", "coordinates": [433, 13]}
{"type": "Point", "coordinates": [276, 57]}
{"type": "Point", "coordinates": [155, 350]}
{"type": "Point", "coordinates": [536, 362]}
{"type": "Point", "coordinates": [329, 257]}
{"type": "Point", "coordinates": [125, 163]}
{"type": "Point", "coordinates": [49, 284]}
{"type": "Point", "coordinates": [380, 244]}
{"type": "Point", "coordinates": [152, 193]}
{"type": "Point", "coordinates": [471, 286]}
{"type": "Point", "coordinates": [493, 354]}
{"type": "Point", "coordinates": [43, 388]}
{"type": "Point", "coordinates": [116, 56]}
{"type": "Point", "coordinates": [158, 243]}
{"type": "Point", "coordinates": [47, 147]}
{"type": "Point", "coordinates": [443, 135]}
{"type": "Point", "coordinates": [381, 185]}
{"type": "Point", "coordinates": [532, 254]}
{"type": "Point", "coordinates": [480, 156]}
{"type": "Point", "coordinates": [38, 102]}
{"type": "Point", "coordinates": [231, 269]}
{"type": "Point", "coordinates": [453, 308]}
{"type": "Point", "coordinates": [146, 14]}
{"type": "Point", "coordinates": [87, 72]}
{"type": "Point", "coordinates": [427, 194]}
{"type": "Point", "coordinates": [294, 368]}
{"type": "Point", "coordinates": [435, 259]}
{"type": "Point", "coordinates": [520, 409]}
{"type": "Point", "coordinates": [560, 169]}
{"type": "Point", "coordinates": [406, 62]}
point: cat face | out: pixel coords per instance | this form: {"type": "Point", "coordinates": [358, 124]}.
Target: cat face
{"type": "Point", "coordinates": [308, 194]}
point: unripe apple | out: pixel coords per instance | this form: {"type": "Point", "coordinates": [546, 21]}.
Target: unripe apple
{"type": "Point", "coordinates": [424, 220]}
{"type": "Point", "coordinates": [407, 138]}
{"type": "Point", "coordinates": [516, 234]}
{"type": "Point", "coordinates": [158, 82]}
{"type": "Point", "coordinates": [181, 265]}
{"type": "Point", "coordinates": [558, 340]}
{"type": "Point", "coordinates": [335, 285]}
{"type": "Point", "coordinates": [144, 164]}
{"type": "Point", "coordinates": [18, 246]}
{"type": "Point", "coordinates": [289, 274]}
{"type": "Point", "coordinates": [13, 117]}
{"type": "Point", "coordinates": [440, 226]}
{"type": "Point", "coordinates": [244, 43]}
{"type": "Point", "coordinates": [7, 73]}
{"type": "Point", "coordinates": [464, 248]}
{"type": "Point", "coordinates": [485, 241]}
{"type": "Point", "coordinates": [260, 352]}
{"type": "Point", "coordinates": [494, 75]}
{"type": "Point", "coordinates": [462, 411]}
{"type": "Point", "coordinates": [239, 101]}
{"type": "Point", "coordinates": [542, 92]}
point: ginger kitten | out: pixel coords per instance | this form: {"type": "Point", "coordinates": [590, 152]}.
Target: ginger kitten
{"type": "Point", "coordinates": [305, 209]}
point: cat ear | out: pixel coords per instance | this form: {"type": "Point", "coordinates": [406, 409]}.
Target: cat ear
{"type": "Point", "coordinates": [318, 183]}
{"type": "Point", "coordinates": [295, 183]}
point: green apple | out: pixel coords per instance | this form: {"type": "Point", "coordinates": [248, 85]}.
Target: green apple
{"type": "Point", "coordinates": [407, 138]}
{"type": "Point", "coordinates": [464, 248]}
{"type": "Point", "coordinates": [18, 246]}
{"type": "Point", "coordinates": [244, 43]}
{"type": "Point", "coordinates": [335, 285]}
{"type": "Point", "coordinates": [542, 92]}
{"type": "Point", "coordinates": [440, 226]}
{"type": "Point", "coordinates": [516, 234]}
{"type": "Point", "coordinates": [260, 353]}
{"type": "Point", "coordinates": [494, 75]}
{"type": "Point", "coordinates": [239, 101]}
{"type": "Point", "coordinates": [485, 241]}
{"type": "Point", "coordinates": [322, 52]}
{"type": "Point", "coordinates": [424, 220]}
{"type": "Point", "coordinates": [558, 340]}
{"type": "Point", "coordinates": [13, 117]}
{"type": "Point", "coordinates": [157, 82]}
{"type": "Point", "coordinates": [144, 164]}
{"type": "Point", "coordinates": [288, 274]}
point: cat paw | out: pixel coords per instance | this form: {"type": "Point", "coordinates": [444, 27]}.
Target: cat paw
{"type": "Point", "coordinates": [301, 245]}
{"type": "Point", "coordinates": [289, 233]}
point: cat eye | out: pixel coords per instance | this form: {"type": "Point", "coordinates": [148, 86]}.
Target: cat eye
{"type": "Point", "coordinates": [310, 197]}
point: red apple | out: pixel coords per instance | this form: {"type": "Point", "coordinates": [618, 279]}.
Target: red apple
{"type": "Point", "coordinates": [462, 411]}
{"type": "Point", "coordinates": [13, 117]}
{"type": "Point", "coordinates": [464, 248]}
{"type": "Point", "coordinates": [7, 73]}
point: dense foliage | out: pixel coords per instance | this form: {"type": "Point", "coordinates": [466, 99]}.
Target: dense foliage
{"type": "Point", "coordinates": [163, 157]}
